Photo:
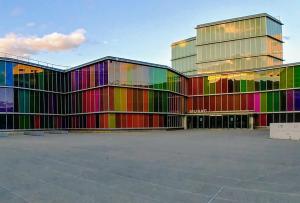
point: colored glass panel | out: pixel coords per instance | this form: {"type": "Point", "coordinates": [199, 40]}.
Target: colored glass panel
{"type": "Point", "coordinates": [290, 100]}
{"type": "Point", "coordinates": [297, 100]}
{"type": "Point", "coordinates": [263, 102]}
{"type": "Point", "coordinates": [2, 72]}
{"type": "Point", "coordinates": [297, 76]}
{"type": "Point", "coordinates": [283, 78]}
{"type": "Point", "coordinates": [276, 101]}
{"type": "Point", "coordinates": [290, 77]}
{"type": "Point", "coordinates": [257, 102]}
{"type": "Point", "coordinates": [270, 101]}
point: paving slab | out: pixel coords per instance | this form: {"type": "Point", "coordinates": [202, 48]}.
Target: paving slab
{"type": "Point", "coordinates": [212, 166]}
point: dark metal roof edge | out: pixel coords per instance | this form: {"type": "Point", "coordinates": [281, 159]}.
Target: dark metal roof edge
{"type": "Point", "coordinates": [93, 62]}
{"type": "Point", "coordinates": [239, 19]}
{"type": "Point", "coordinates": [31, 64]}
{"type": "Point", "coordinates": [154, 65]}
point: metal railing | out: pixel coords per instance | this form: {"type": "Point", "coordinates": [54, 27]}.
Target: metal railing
{"type": "Point", "coordinates": [34, 61]}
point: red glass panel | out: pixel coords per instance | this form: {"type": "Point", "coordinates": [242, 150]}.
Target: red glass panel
{"type": "Point", "coordinates": [146, 121]}
{"type": "Point", "coordinates": [218, 103]}
{"type": "Point", "coordinates": [195, 86]}
{"type": "Point", "coordinates": [118, 120]}
{"type": "Point", "coordinates": [111, 99]}
{"type": "Point", "coordinates": [37, 122]}
{"type": "Point", "coordinates": [190, 103]}
{"type": "Point", "coordinates": [189, 81]}
{"type": "Point", "coordinates": [195, 103]}
{"type": "Point", "coordinates": [212, 103]}
{"type": "Point", "coordinates": [129, 100]}
{"type": "Point", "coordinates": [263, 119]}
{"type": "Point", "coordinates": [224, 85]}
{"type": "Point", "coordinates": [250, 102]}
{"type": "Point", "coordinates": [243, 101]}
{"type": "Point", "coordinates": [129, 120]}
{"type": "Point", "coordinates": [206, 103]}
{"type": "Point", "coordinates": [237, 102]}
{"type": "Point", "coordinates": [155, 121]}
{"type": "Point", "coordinates": [230, 102]}
{"type": "Point", "coordinates": [224, 102]}
{"type": "Point", "coordinates": [146, 100]}
{"type": "Point", "coordinates": [218, 85]}
{"type": "Point", "coordinates": [200, 85]}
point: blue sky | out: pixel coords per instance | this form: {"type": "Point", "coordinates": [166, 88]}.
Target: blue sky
{"type": "Point", "coordinates": [135, 29]}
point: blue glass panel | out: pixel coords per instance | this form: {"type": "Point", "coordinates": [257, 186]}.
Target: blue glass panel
{"type": "Point", "coordinates": [2, 100]}
{"type": "Point", "coordinates": [9, 99]}
{"type": "Point", "coordinates": [9, 73]}
{"type": "Point", "coordinates": [297, 100]}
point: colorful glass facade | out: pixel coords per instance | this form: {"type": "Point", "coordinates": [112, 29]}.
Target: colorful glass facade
{"type": "Point", "coordinates": [270, 95]}
{"type": "Point", "coordinates": [106, 94]}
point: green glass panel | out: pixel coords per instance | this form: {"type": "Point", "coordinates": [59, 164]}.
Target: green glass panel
{"type": "Point", "coordinates": [2, 73]}
{"type": "Point", "coordinates": [283, 78]}
{"type": "Point", "coordinates": [41, 80]}
{"type": "Point", "coordinates": [206, 85]}
{"type": "Point", "coordinates": [26, 122]}
{"type": "Point", "coordinates": [276, 101]}
{"type": "Point", "coordinates": [22, 121]}
{"type": "Point", "coordinates": [150, 101]}
{"type": "Point", "coordinates": [290, 77]}
{"type": "Point", "coordinates": [165, 102]}
{"type": "Point", "coordinates": [117, 98]}
{"type": "Point", "coordinates": [263, 102]}
{"type": "Point", "coordinates": [112, 121]}
{"type": "Point", "coordinates": [263, 82]}
{"type": "Point", "coordinates": [243, 86]}
{"type": "Point", "coordinates": [212, 88]}
{"type": "Point", "coordinates": [31, 110]}
{"type": "Point", "coordinates": [250, 84]}
{"type": "Point", "coordinates": [297, 76]}
{"type": "Point", "coordinates": [270, 101]}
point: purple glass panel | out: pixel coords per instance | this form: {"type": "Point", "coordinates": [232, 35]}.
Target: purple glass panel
{"type": "Point", "coordinates": [80, 78]}
{"type": "Point", "coordinates": [97, 74]}
{"type": "Point", "coordinates": [77, 79]}
{"type": "Point", "coordinates": [54, 109]}
{"type": "Point", "coordinates": [73, 80]}
{"type": "Point", "coordinates": [297, 100]}
{"type": "Point", "coordinates": [290, 100]}
{"type": "Point", "coordinates": [105, 73]}
{"type": "Point", "coordinates": [101, 73]}
{"type": "Point", "coordinates": [2, 100]}
{"type": "Point", "coordinates": [257, 102]}
{"type": "Point", "coordinates": [9, 100]}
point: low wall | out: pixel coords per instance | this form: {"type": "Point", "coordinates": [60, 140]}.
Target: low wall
{"type": "Point", "coordinates": [289, 131]}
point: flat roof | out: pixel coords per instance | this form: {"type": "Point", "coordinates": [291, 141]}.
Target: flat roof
{"type": "Point", "coordinates": [248, 70]}
{"type": "Point", "coordinates": [183, 41]}
{"type": "Point", "coordinates": [239, 19]}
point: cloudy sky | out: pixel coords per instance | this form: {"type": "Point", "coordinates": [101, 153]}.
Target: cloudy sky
{"type": "Point", "coordinates": [68, 33]}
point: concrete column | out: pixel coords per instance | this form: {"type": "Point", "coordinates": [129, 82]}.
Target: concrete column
{"type": "Point", "coordinates": [251, 122]}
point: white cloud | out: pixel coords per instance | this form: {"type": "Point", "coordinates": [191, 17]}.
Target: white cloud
{"type": "Point", "coordinates": [27, 45]}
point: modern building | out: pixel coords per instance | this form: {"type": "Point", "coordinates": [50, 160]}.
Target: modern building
{"type": "Point", "coordinates": [236, 75]}
{"type": "Point", "coordinates": [229, 76]}
{"type": "Point", "coordinates": [108, 93]}
{"type": "Point", "coordinates": [230, 45]}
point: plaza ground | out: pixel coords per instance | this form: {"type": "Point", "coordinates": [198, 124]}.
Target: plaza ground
{"type": "Point", "coordinates": [213, 166]}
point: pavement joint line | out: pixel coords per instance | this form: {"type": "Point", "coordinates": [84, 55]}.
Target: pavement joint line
{"type": "Point", "coordinates": [130, 177]}
{"type": "Point", "coordinates": [215, 195]}
{"type": "Point", "coordinates": [14, 193]}
{"type": "Point", "coordinates": [263, 191]}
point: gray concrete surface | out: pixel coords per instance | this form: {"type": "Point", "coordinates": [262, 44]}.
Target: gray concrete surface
{"type": "Point", "coordinates": [213, 166]}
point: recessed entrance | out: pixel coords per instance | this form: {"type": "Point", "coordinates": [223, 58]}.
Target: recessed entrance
{"type": "Point", "coordinates": [218, 121]}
